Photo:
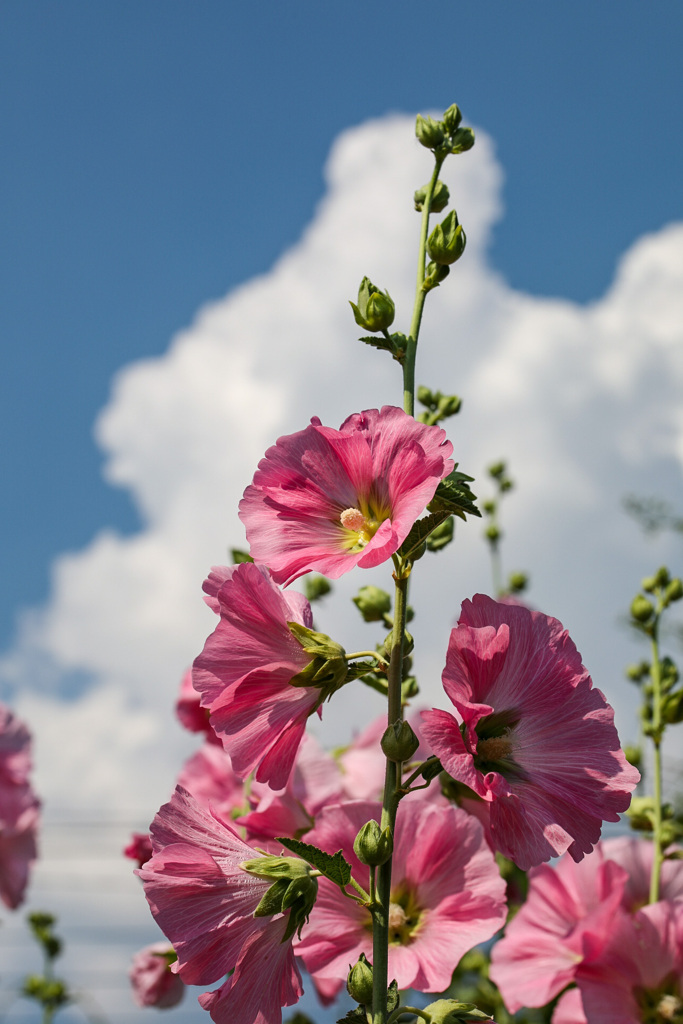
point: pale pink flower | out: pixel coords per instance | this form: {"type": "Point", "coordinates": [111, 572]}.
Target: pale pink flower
{"type": "Point", "coordinates": [447, 896]}
{"type": "Point", "coordinates": [328, 499]}
{"type": "Point", "coordinates": [204, 903]}
{"type": "Point", "coordinates": [532, 736]}
{"type": "Point", "coordinates": [209, 776]}
{"type": "Point", "coordinates": [246, 668]}
{"type": "Point", "coordinates": [15, 749]}
{"type": "Point", "coordinates": [571, 909]}
{"type": "Point", "coordinates": [152, 980]}
{"type": "Point", "coordinates": [139, 848]}
{"type": "Point", "coordinates": [637, 975]}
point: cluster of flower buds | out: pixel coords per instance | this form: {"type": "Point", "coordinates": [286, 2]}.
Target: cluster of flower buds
{"type": "Point", "coordinates": [445, 136]}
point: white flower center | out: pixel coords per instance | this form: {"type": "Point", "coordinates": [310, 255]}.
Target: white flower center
{"type": "Point", "coordinates": [353, 519]}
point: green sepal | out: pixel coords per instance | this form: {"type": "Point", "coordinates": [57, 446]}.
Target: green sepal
{"type": "Point", "coordinates": [452, 118]}
{"type": "Point", "coordinates": [449, 1011]}
{"type": "Point", "coordinates": [375, 309]}
{"type": "Point", "coordinates": [169, 955]}
{"type": "Point", "coordinates": [440, 197]}
{"type": "Point", "coordinates": [454, 496]}
{"type": "Point", "coordinates": [334, 867]}
{"type": "Point", "coordinates": [359, 981]}
{"type": "Point", "coordinates": [393, 997]}
{"type": "Point", "coordinates": [275, 867]}
{"type": "Point", "coordinates": [461, 140]}
{"type": "Point", "coordinates": [446, 244]}
{"type": "Point", "coordinates": [271, 901]}
{"type": "Point", "coordinates": [238, 556]}
{"type": "Point", "coordinates": [327, 668]}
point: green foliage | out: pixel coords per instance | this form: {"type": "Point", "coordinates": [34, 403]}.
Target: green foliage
{"type": "Point", "coordinates": [316, 587]}
{"type": "Point", "coordinates": [395, 343]}
{"type": "Point", "coordinates": [239, 556]}
{"type": "Point", "coordinates": [453, 496]}
{"type": "Point", "coordinates": [334, 867]}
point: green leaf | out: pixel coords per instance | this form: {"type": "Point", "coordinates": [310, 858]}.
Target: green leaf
{"type": "Point", "coordinates": [454, 496]}
{"type": "Point", "coordinates": [420, 531]}
{"type": "Point", "coordinates": [357, 1016]}
{"type": "Point", "coordinates": [336, 868]}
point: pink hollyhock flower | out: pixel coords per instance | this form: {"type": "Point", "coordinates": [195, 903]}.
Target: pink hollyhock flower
{"type": "Point", "coordinates": [209, 777]}
{"type": "Point", "coordinates": [315, 782]}
{"type": "Point", "coordinates": [532, 736]}
{"type": "Point", "coordinates": [152, 980]}
{"type": "Point", "coordinates": [15, 749]}
{"type": "Point", "coordinates": [447, 896]}
{"type": "Point", "coordinates": [190, 712]}
{"type": "Point", "coordinates": [571, 907]}
{"type": "Point", "coordinates": [19, 818]}
{"type": "Point", "coordinates": [245, 672]}
{"type": "Point", "coordinates": [139, 848]}
{"type": "Point", "coordinates": [329, 499]}
{"type": "Point", "coordinates": [638, 974]}
{"type": "Point", "coordinates": [204, 902]}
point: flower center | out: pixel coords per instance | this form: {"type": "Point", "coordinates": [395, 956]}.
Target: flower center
{"type": "Point", "coordinates": [404, 918]}
{"type": "Point", "coordinates": [660, 1005]}
{"type": "Point", "coordinates": [361, 527]}
{"type": "Point", "coordinates": [496, 744]}
{"type": "Point", "coordinates": [494, 749]}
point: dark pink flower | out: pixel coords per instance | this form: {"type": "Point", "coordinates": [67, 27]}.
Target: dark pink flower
{"type": "Point", "coordinates": [245, 671]}
{"type": "Point", "coordinates": [19, 809]}
{"type": "Point", "coordinates": [447, 896]}
{"type": "Point", "coordinates": [152, 980]}
{"type": "Point", "coordinates": [204, 902]}
{"type": "Point", "coordinates": [189, 711]}
{"type": "Point", "coordinates": [532, 736]}
{"type": "Point", "coordinates": [139, 848]}
{"type": "Point", "coordinates": [330, 499]}
{"type": "Point", "coordinates": [15, 749]}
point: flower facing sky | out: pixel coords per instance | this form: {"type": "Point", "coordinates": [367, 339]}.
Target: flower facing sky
{"type": "Point", "coordinates": [204, 902]}
{"type": "Point", "coordinates": [447, 895]}
{"type": "Point", "coordinates": [532, 737]}
{"type": "Point", "coordinates": [329, 500]}
{"type": "Point", "coordinates": [245, 672]}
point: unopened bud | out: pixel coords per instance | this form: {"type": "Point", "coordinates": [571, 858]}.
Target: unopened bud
{"type": "Point", "coordinates": [375, 310]}
{"type": "Point", "coordinates": [429, 132]}
{"type": "Point", "coordinates": [452, 118]}
{"type": "Point", "coordinates": [633, 755]}
{"type": "Point", "coordinates": [399, 742]}
{"type": "Point", "coordinates": [674, 591]}
{"type": "Point", "coordinates": [649, 584]}
{"type": "Point", "coordinates": [327, 668]}
{"type": "Point", "coordinates": [517, 582]}
{"type": "Point", "coordinates": [440, 197]}
{"type": "Point", "coordinates": [434, 275]}
{"type": "Point", "coordinates": [642, 610]}
{"type": "Point", "coordinates": [492, 533]}
{"type": "Point", "coordinates": [462, 140]}
{"type": "Point", "coordinates": [373, 845]}
{"type": "Point", "coordinates": [359, 981]}
{"type": "Point", "coordinates": [373, 603]}
{"type": "Point", "coordinates": [446, 243]}
{"type": "Point", "coordinates": [662, 576]}
{"type": "Point", "coordinates": [316, 587]}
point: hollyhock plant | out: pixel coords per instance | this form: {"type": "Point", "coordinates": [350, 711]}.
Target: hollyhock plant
{"type": "Point", "coordinates": [571, 907]}
{"type": "Point", "coordinates": [447, 895]}
{"type": "Point", "coordinates": [255, 677]}
{"type": "Point", "coordinates": [152, 981]}
{"type": "Point", "coordinates": [204, 900]}
{"type": "Point", "coordinates": [329, 500]}
{"type": "Point", "coordinates": [532, 736]}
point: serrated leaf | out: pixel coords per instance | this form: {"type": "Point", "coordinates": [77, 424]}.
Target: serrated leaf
{"type": "Point", "coordinates": [334, 867]}
{"type": "Point", "coordinates": [393, 997]}
{"type": "Point", "coordinates": [454, 496]}
{"type": "Point", "coordinates": [378, 341]}
{"type": "Point", "coordinates": [421, 530]}
{"type": "Point", "coordinates": [357, 1016]}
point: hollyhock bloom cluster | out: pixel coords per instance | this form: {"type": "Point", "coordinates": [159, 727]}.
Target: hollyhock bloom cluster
{"type": "Point", "coordinates": [19, 809]}
{"type": "Point", "coordinates": [329, 500]}
{"type": "Point", "coordinates": [204, 902]}
{"type": "Point", "coordinates": [152, 980]}
{"type": "Point", "coordinates": [447, 895]}
{"type": "Point", "coordinates": [569, 917]}
{"type": "Point", "coordinates": [532, 737]}
{"type": "Point", "coordinates": [246, 670]}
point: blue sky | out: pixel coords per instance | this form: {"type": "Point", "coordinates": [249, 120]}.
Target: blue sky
{"type": "Point", "coordinates": [155, 155]}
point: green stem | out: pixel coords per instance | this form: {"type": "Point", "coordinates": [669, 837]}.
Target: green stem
{"type": "Point", "coordinates": [367, 654]}
{"type": "Point", "coordinates": [657, 768]}
{"type": "Point", "coordinates": [392, 778]}
{"type": "Point", "coordinates": [409, 1009]}
{"type": "Point", "coordinates": [420, 295]}
{"type": "Point", "coordinates": [496, 569]}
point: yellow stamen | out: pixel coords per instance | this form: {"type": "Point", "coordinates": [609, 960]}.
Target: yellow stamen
{"type": "Point", "coordinates": [353, 519]}
{"type": "Point", "coordinates": [494, 749]}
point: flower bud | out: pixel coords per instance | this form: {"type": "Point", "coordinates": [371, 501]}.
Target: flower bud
{"type": "Point", "coordinates": [633, 755]}
{"type": "Point", "coordinates": [316, 587]}
{"type": "Point", "coordinates": [434, 275]}
{"type": "Point", "coordinates": [448, 1011]}
{"type": "Point", "coordinates": [446, 243]}
{"type": "Point", "coordinates": [440, 197]}
{"type": "Point", "coordinates": [399, 742]}
{"type": "Point", "coordinates": [649, 584]}
{"type": "Point", "coordinates": [492, 533]}
{"type": "Point", "coordinates": [373, 603]}
{"type": "Point", "coordinates": [452, 118]}
{"type": "Point", "coordinates": [674, 591]}
{"type": "Point", "coordinates": [373, 845]}
{"type": "Point", "coordinates": [375, 310]}
{"type": "Point", "coordinates": [517, 582]}
{"type": "Point", "coordinates": [642, 610]}
{"type": "Point", "coordinates": [662, 576]}
{"type": "Point", "coordinates": [327, 668]}
{"type": "Point", "coordinates": [359, 981]}
{"type": "Point", "coordinates": [429, 132]}
{"type": "Point", "coordinates": [462, 140]}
